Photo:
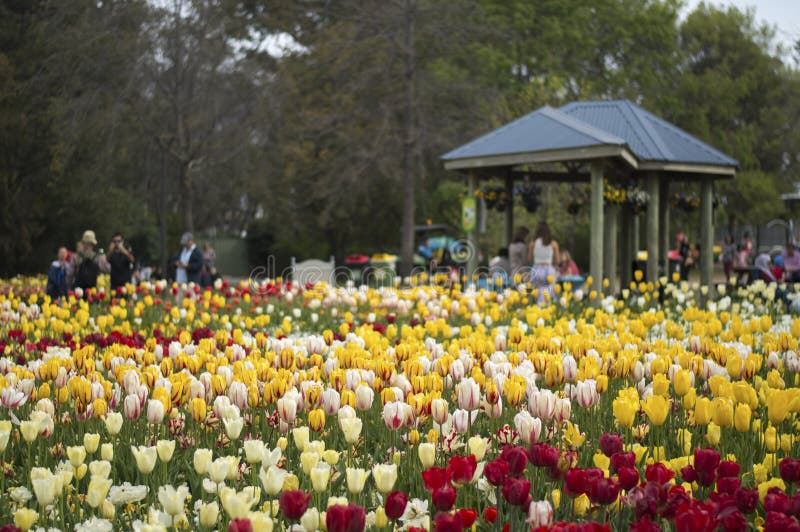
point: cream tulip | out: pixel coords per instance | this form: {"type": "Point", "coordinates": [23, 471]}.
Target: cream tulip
{"type": "Point", "coordinates": [145, 458]}
{"type": "Point", "coordinates": [356, 478]}
{"type": "Point", "coordinates": [165, 449]}
{"type": "Point", "coordinates": [385, 476]}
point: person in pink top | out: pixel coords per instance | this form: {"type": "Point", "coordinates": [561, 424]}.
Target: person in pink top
{"type": "Point", "coordinates": [791, 263]}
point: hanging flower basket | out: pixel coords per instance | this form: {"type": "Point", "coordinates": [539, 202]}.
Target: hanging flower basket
{"type": "Point", "coordinates": [529, 196]}
{"type": "Point", "coordinates": [637, 199]}
{"type": "Point", "coordinates": [685, 202]}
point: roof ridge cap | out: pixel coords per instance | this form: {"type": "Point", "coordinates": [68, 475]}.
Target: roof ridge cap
{"type": "Point", "coordinates": [581, 127]}
{"type": "Point", "coordinates": [649, 130]}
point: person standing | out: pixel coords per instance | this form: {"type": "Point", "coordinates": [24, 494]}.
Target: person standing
{"type": "Point", "coordinates": [57, 276]}
{"type": "Point", "coordinates": [728, 257]}
{"type": "Point", "coordinates": [687, 259]}
{"type": "Point", "coordinates": [188, 262]}
{"type": "Point", "coordinates": [518, 252]}
{"type": "Point", "coordinates": [747, 244]}
{"type": "Point", "coordinates": [791, 263]}
{"type": "Point", "coordinates": [121, 260]}
{"type": "Point", "coordinates": [542, 253]}
{"type": "Point", "coordinates": [209, 267]}
{"type": "Point", "coordinates": [87, 263]}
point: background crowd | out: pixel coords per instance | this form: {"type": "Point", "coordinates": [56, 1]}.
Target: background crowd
{"type": "Point", "coordinates": [79, 269]}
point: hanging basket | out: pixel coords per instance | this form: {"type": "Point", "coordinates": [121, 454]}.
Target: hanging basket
{"type": "Point", "coordinates": [529, 196]}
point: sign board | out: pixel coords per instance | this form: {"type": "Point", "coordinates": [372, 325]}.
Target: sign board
{"type": "Point", "coordinates": [469, 214]}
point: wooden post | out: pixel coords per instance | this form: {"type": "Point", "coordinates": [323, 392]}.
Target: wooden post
{"type": "Point", "coordinates": [706, 232]}
{"type": "Point", "coordinates": [596, 231]}
{"type": "Point", "coordinates": [625, 246]}
{"type": "Point", "coordinates": [509, 209]}
{"type": "Point", "coordinates": [610, 247]}
{"type": "Point", "coordinates": [636, 237]}
{"type": "Point", "coordinates": [652, 227]}
{"type": "Point", "coordinates": [663, 225]}
{"type": "Point", "coordinates": [472, 260]}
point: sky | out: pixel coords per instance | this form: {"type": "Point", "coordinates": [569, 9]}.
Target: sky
{"type": "Point", "coordinates": [785, 14]}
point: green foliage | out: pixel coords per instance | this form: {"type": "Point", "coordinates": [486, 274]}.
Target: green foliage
{"type": "Point", "coordinates": [176, 115]}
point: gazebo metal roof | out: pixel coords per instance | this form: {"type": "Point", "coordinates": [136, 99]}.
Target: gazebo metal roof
{"type": "Point", "coordinates": [589, 130]}
{"type": "Point", "coordinates": [592, 141]}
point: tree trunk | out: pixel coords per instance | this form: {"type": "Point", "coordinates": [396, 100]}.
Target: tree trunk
{"type": "Point", "coordinates": [187, 196]}
{"type": "Point", "coordinates": [409, 141]}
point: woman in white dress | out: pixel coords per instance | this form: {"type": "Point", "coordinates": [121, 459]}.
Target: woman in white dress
{"type": "Point", "coordinates": [542, 253]}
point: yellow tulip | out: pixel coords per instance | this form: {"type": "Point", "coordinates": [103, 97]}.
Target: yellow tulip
{"type": "Point", "coordinates": [713, 434]}
{"type": "Point", "coordinates": [624, 412]}
{"type": "Point", "coordinates": [689, 399]}
{"type": "Point", "coordinates": [660, 385]}
{"type": "Point", "coordinates": [581, 504]}
{"type": "Point", "coordinates": [742, 417]}
{"type": "Point", "coordinates": [656, 407]}
{"type": "Point", "coordinates": [763, 487]}
{"type": "Point", "coordinates": [316, 419]}
{"type": "Point", "coordinates": [685, 440]}
{"type": "Point", "coordinates": [197, 409]}
{"type": "Point", "coordinates": [777, 407]}
{"type": "Point", "coordinates": [682, 382]}
{"type": "Point", "coordinates": [702, 411]}
{"type": "Point", "coordinates": [25, 518]}
{"type": "Point", "coordinates": [722, 413]}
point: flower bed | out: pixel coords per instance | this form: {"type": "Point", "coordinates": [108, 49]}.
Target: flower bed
{"type": "Point", "coordinates": [278, 407]}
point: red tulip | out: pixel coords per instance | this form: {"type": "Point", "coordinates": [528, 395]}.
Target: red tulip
{"type": "Point", "coordinates": [728, 485]}
{"type": "Point", "coordinates": [490, 514]}
{"type": "Point", "coordinates": [610, 444]}
{"type": "Point", "coordinates": [658, 473]}
{"type": "Point", "coordinates": [728, 469]}
{"type": "Point", "coordinates": [434, 478]}
{"type": "Point", "coordinates": [603, 490]}
{"type": "Point", "coordinates": [446, 522]}
{"type": "Point", "coordinates": [731, 519]}
{"type": "Point", "coordinates": [676, 497]}
{"type": "Point", "coordinates": [240, 525]}
{"type": "Point", "coordinates": [461, 469]}
{"type": "Point", "coordinates": [778, 522]}
{"type": "Point", "coordinates": [575, 482]}
{"type": "Point", "coordinates": [689, 474]}
{"type": "Point", "coordinates": [444, 498]}
{"type": "Point", "coordinates": [542, 455]}
{"type": "Point", "coordinates": [395, 505]}
{"type": "Point", "coordinates": [468, 517]}
{"type": "Point", "coordinates": [706, 460]}
{"type": "Point", "coordinates": [349, 518]}
{"type": "Point", "coordinates": [746, 500]}
{"type": "Point", "coordinates": [777, 501]}
{"type": "Point", "coordinates": [496, 471]}
{"type": "Point", "coordinates": [517, 492]}
{"type": "Point", "coordinates": [644, 525]}
{"type": "Point", "coordinates": [628, 477]}
{"type": "Point", "coordinates": [294, 504]}
{"type": "Point", "coordinates": [622, 459]}
{"type": "Point", "coordinates": [694, 516]}
{"type": "Point", "coordinates": [790, 470]}
{"type": "Point", "coordinates": [516, 458]}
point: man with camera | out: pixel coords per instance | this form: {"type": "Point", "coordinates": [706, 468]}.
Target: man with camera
{"type": "Point", "coordinates": [121, 260]}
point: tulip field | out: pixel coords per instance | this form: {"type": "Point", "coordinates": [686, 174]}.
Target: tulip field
{"type": "Point", "coordinates": [270, 406]}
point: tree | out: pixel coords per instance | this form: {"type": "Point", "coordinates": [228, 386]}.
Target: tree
{"type": "Point", "coordinates": [737, 96]}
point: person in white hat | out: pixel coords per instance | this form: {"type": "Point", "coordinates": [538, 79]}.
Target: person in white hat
{"type": "Point", "coordinates": [87, 263]}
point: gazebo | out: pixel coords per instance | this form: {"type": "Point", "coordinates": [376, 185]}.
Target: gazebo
{"type": "Point", "coordinates": [586, 141]}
